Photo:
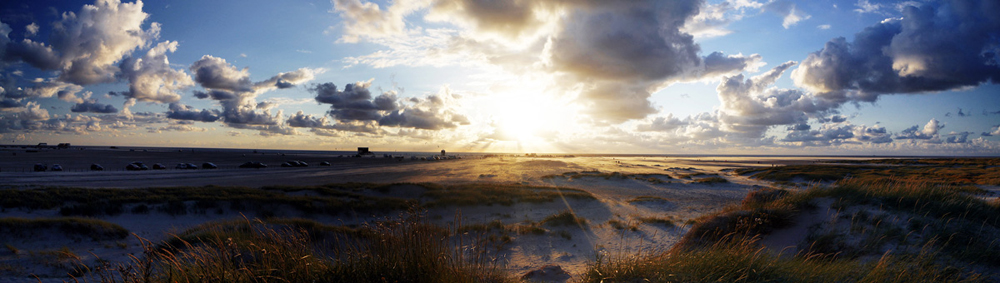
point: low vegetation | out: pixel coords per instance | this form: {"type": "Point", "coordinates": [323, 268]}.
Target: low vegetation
{"type": "Point", "coordinates": [498, 194]}
{"type": "Point", "coordinates": [401, 250]}
{"type": "Point", "coordinates": [652, 178]}
{"type": "Point", "coordinates": [622, 225]}
{"type": "Point", "coordinates": [887, 230]}
{"type": "Point", "coordinates": [971, 171]}
{"type": "Point", "coordinates": [665, 221]}
{"type": "Point", "coordinates": [328, 199]}
{"type": "Point", "coordinates": [744, 261]}
{"type": "Point", "coordinates": [564, 218]}
{"type": "Point", "coordinates": [711, 180]}
{"type": "Point", "coordinates": [641, 199]}
{"type": "Point", "coordinates": [72, 227]}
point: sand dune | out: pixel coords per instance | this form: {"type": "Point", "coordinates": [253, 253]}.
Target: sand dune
{"type": "Point", "coordinates": [643, 187]}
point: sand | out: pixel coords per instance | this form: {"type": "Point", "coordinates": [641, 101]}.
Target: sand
{"type": "Point", "coordinates": [678, 198]}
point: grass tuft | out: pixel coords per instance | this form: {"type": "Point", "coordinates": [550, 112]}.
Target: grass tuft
{"type": "Point", "coordinates": [564, 218]}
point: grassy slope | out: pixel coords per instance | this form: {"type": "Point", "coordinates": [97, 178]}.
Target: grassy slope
{"type": "Point", "coordinates": [915, 227]}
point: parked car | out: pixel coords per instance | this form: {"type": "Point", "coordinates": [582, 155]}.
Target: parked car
{"type": "Point", "coordinates": [136, 166]}
{"type": "Point", "coordinates": [56, 167]}
{"type": "Point", "coordinates": [41, 167]}
{"type": "Point", "coordinates": [159, 166]}
{"type": "Point", "coordinates": [256, 165]}
{"type": "Point", "coordinates": [96, 167]}
{"type": "Point", "coordinates": [324, 163]}
{"type": "Point", "coordinates": [209, 165]}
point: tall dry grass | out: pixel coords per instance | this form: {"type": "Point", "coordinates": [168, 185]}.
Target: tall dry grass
{"type": "Point", "coordinates": [400, 250]}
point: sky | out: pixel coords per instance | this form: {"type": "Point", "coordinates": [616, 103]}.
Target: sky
{"type": "Point", "coordinates": [852, 77]}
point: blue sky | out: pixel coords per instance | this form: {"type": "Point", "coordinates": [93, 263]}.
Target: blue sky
{"type": "Point", "coordinates": [659, 77]}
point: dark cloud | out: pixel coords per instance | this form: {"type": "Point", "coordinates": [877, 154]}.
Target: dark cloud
{"type": "Point", "coordinates": [235, 112]}
{"type": "Point", "coordinates": [184, 112]}
{"type": "Point", "coordinates": [355, 102]}
{"type": "Point", "coordinates": [509, 18]}
{"type": "Point", "coordinates": [86, 45]}
{"type": "Point", "coordinates": [660, 124]}
{"type": "Point", "coordinates": [302, 120]}
{"type": "Point", "coordinates": [963, 114]}
{"type": "Point", "coordinates": [928, 132]}
{"type": "Point", "coordinates": [433, 112]}
{"type": "Point", "coordinates": [799, 127]}
{"type": "Point", "coordinates": [637, 41]}
{"type": "Point", "coordinates": [288, 80]}
{"type": "Point", "coordinates": [622, 52]}
{"type": "Point", "coordinates": [752, 105]}
{"type": "Point", "coordinates": [216, 94]}
{"type": "Point", "coordinates": [236, 93]}
{"type": "Point", "coordinates": [962, 137]}
{"type": "Point", "coordinates": [94, 107]}
{"type": "Point", "coordinates": [35, 54]}
{"type": "Point", "coordinates": [937, 46]}
{"type": "Point", "coordinates": [10, 103]}
{"type": "Point", "coordinates": [995, 131]}
{"type": "Point", "coordinates": [215, 73]}
{"type": "Point", "coordinates": [836, 134]}
{"type": "Point", "coordinates": [32, 118]}
{"type": "Point", "coordinates": [283, 84]}
{"type": "Point", "coordinates": [826, 135]}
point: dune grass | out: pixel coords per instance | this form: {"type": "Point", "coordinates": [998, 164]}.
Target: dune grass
{"type": "Point", "coordinates": [94, 229]}
{"type": "Point", "coordinates": [640, 199]}
{"type": "Point", "coordinates": [564, 218]}
{"type": "Point", "coordinates": [665, 221]}
{"type": "Point", "coordinates": [893, 230]}
{"type": "Point", "coordinates": [331, 199]}
{"type": "Point", "coordinates": [498, 194]}
{"type": "Point", "coordinates": [744, 261]}
{"type": "Point", "coordinates": [96, 202]}
{"type": "Point", "coordinates": [970, 171]}
{"type": "Point", "coordinates": [711, 180]}
{"type": "Point", "coordinates": [652, 178]}
{"type": "Point", "coordinates": [406, 249]}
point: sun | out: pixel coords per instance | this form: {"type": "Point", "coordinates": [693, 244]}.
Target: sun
{"type": "Point", "coordinates": [533, 121]}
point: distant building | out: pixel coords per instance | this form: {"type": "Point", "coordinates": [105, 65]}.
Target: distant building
{"type": "Point", "coordinates": [42, 145]}
{"type": "Point", "coordinates": [364, 151]}
{"type": "Point", "coordinates": [63, 145]}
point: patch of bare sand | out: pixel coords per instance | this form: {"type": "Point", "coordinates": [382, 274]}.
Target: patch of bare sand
{"type": "Point", "coordinates": [787, 241]}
